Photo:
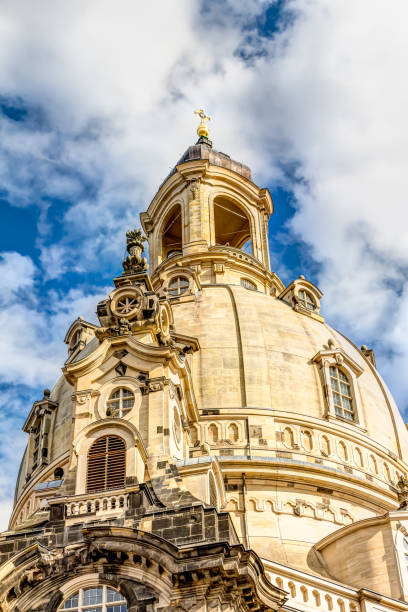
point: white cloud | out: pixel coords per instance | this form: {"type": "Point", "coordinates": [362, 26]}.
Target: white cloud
{"type": "Point", "coordinates": [32, 353]}
{"type": "Point", "coordinates": [33, 325]}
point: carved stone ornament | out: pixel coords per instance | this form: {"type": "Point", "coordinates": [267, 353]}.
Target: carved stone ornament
{"type": "Point", "coordinates": [402, 485]}
{"type": "Point", "coordinates": [82, 399]}
{"type": "Point", "coordinates": [123, 328]}
{"type": "Point", "coordinates": [195, 188]}
{"type": "Point", "coordinates": [134, 262]}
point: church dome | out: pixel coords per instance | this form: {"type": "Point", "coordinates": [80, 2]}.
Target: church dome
{"type": "Point", "coordinates": [213, 404]}
{"type": "Point", "coordinates": [263, 401]}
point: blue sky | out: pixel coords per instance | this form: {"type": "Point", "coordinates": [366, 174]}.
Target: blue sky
{"type": "Point", "coordinates": [96, 105]}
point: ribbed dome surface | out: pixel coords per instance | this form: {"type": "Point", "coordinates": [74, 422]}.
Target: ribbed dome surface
{"type": "Point", "coordinates": [274, 346]}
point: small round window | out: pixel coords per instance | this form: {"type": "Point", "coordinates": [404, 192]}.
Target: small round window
{"type": "Point", "coordinates": [120, 402]}
{"type": "Point", "coordinates": [306, 300]}
{"type": "Point", "coordinates": [178, 286]}
{"type": "Point", "coordinates": [98, 599]}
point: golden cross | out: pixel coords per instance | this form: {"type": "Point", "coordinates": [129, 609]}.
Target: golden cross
{"type": "Point", "coordinates": [202, 129]}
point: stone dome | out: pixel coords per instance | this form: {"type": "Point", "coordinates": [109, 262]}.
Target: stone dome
{"type": "Point", "coordinates": [244, 399]}
{"type": "Point", "coordinates": [257, 352]}
{"type": "Point", "coordinates": [257, 368]}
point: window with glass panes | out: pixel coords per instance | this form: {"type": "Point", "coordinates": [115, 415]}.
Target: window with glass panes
{"type": "Point", "coordinates": [120, 402]}
{"type": "Point", "coordinates": [178, 286]}
{"type": "Point", "coordinates": [248, 284]}
{"type": "Point", "coordinates": [341, 393]}
{"type": "Point", "coordinates": [97, 599]}
{"type": "Point", "coordinates": [306, 300]}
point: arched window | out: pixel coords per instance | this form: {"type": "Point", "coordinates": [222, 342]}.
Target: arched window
{"type": "Point", "coordinates": [288, 438]}
{"type": "Point", "coordinates": [325, 446]}
{"type": "Point", "coordinates": [106, 464]}
{"type": "Point", "coordinates": [373, 464]}
{"type": "Point", "coordinates": [193, 434]}
{"type": "Point", "coordinates": [97, 599]}
{"type": "Point", "coordinates": [341, 392]}
{"type": "Point", "coordinates": [358, 456]}
{"type": "Point", "coordinates": [307, 440]}
{"type": "Point", "coordinates": [75, 341]}
{"type": "Point", "coordinates": [232, 432]}
{"type": "Point", "coordinates": [58, 473]}
{"type": "Point", "coordinates": [213, 434]}
{"type": "Point", "coordinates": [248, 284]}
{"type": "Point", "coordinates": [306, 300]}
{"type": "Point", "coordinates": [172, 234]}
{"type": "Point", "coordinates": [342, 451]}
{"type": "Point", "coordinates": [120, 402]}
{"type": "Point", "coordinates": [178, 286]}
{"type": "Point", "coordinates": [232, 226]}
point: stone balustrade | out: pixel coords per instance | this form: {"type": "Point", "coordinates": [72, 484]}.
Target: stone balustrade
{"type": "Point", "coordinates": [98, 503]}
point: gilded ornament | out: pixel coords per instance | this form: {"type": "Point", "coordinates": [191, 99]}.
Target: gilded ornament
{"type": "Point", "coordinates": [202, 129]}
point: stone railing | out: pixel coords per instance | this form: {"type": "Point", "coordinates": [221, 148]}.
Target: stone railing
{"type": "Point", "coordinates": [101, 503]}
{"type": "Point", "coordinates": [238, 253]}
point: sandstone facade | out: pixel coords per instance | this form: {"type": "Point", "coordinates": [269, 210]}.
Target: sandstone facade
{"type": "Point", "coordinates": [213, 444]}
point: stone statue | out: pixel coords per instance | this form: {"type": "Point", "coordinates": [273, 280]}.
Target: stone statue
{"type": "Point", "coordinates": [134, 262]}
{"type": "Point", "coordinates": [402, 485]}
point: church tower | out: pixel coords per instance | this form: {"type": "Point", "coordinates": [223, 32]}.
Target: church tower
{"type": "Point", "coordinates": [212, 444]}
{"type": "Point", "coordinates": [210, 217]}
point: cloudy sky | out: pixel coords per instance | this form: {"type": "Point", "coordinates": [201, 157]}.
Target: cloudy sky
{"type": "Point", "coordinates": [96, 102]}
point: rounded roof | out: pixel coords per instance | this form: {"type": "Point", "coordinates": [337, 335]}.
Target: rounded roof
{"type": "Point", "coordinates": [202, 149]}
{"type": "Point", "coordinates": [257, 352]}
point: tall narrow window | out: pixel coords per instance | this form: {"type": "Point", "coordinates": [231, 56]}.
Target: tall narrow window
{"type": "Point", "coordinates": [172, 234]}
{"type": "Point", "coordinates": [232, 227]}
{"type": "Point", "coordinates": [106, 464]}
{"type": "Point", "coordinates": [341, 391]}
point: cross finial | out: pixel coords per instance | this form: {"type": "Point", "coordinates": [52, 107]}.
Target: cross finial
{"type": "Point", "coordinates": [202, 129]}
